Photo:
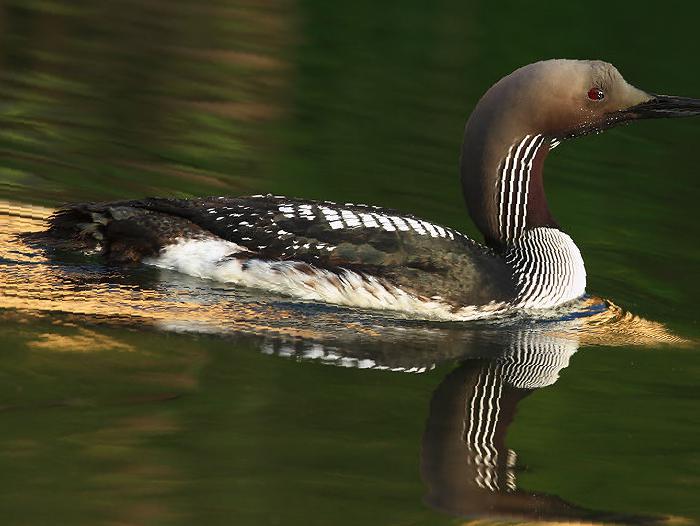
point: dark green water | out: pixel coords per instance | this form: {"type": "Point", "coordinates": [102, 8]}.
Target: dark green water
{"type": "Point", "coordinates": [129, 396]}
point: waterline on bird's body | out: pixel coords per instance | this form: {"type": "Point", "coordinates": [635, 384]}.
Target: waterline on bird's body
{"type": "Point", "coordinates": [221, 260]}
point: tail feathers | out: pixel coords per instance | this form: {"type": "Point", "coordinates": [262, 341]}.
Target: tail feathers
{"type": "Point", "coordinates": [121, 233]}
{"type": "Point", "coordinates": [73, 228]}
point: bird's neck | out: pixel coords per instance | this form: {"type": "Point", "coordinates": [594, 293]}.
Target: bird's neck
{"type": "Point", "coordinates": [503, 186]}
{"type": "Point", "coordinates": [504, 190]}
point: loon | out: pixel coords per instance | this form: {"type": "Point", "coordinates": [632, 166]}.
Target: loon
{"type": "Point", "coordinates": [372, 257]}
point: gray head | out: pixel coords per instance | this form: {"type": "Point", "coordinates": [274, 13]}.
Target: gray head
{"type": "Point", "coordinates": [521, 117]}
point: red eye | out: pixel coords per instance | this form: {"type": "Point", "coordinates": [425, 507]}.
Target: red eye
{"type": "Point", "coordinates": [596, 94]}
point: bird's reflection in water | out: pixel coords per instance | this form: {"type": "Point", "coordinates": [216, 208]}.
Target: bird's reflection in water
{"type": "Point", "coordinates": [465, 463]}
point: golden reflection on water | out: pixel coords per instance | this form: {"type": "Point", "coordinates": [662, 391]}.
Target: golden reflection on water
{"type": "Point", "coordinates": [616, 327]}
{"type": "Point", "coordinates": [84, 341]}
{"type": "Point", "coordinates": [30, 282]}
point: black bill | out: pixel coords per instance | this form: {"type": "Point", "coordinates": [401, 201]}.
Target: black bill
{"type": "Point", "coordinates": [663, 106]}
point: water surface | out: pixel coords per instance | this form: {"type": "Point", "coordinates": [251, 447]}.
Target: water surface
{"type": "Point", "coordinates": [137, 396]}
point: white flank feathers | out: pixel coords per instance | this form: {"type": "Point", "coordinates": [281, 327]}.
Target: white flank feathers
{"type": "Point", "coordinates": [215, 259]}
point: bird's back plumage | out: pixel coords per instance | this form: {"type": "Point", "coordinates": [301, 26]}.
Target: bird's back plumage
{"type": "Point", "coordinates": [421, 258]}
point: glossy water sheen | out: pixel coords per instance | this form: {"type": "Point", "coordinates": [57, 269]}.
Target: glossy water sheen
{"type": "Point", "coordinates": [139, 396]}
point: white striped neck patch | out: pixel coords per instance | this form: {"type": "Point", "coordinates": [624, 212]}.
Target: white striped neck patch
{"type": "Point", "coordinates": [514, 183]}
{"type": "Point", "coordinates": [547, 267]}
